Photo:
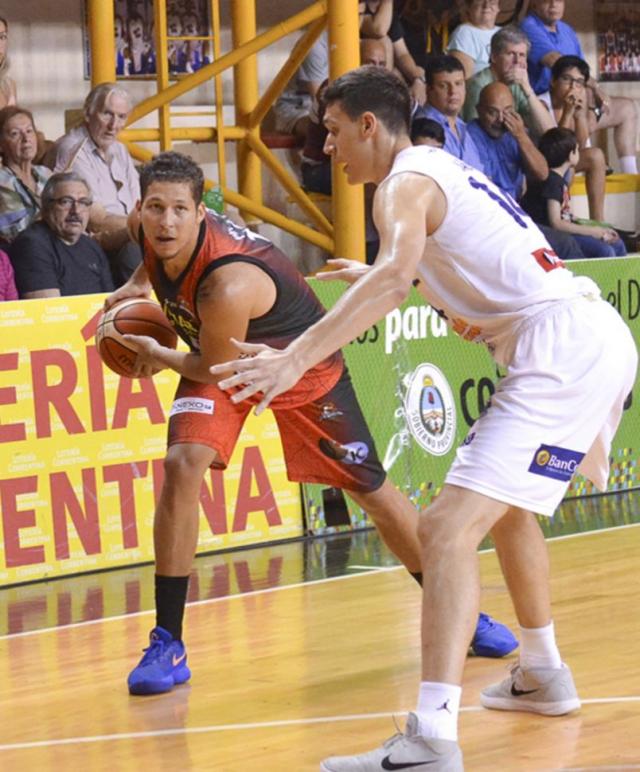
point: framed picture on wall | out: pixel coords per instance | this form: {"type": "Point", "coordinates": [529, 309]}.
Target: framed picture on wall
{"type": "Point", "coordinates": [618, 34]}
{"type": "Point", "coordinates": [134, 31]}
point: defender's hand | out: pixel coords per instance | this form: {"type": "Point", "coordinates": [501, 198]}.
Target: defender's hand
{"type": "Point", "coordinates": [261, 369]}
{"type": "Point", "coordinates": [343, 270]}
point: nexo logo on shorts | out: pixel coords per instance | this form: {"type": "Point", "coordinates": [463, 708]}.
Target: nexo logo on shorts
{"type": "Point", "coordinates": [557, 463]}
{"type": "Point", "coordinates": [430, 410]}
{"type": "Point", "coordinates": [192, 405]}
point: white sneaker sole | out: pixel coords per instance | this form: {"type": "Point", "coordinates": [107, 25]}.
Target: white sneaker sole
{"type": "Point", "coordinates": [531, 706]}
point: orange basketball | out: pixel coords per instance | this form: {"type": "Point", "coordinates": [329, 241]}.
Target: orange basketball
{"type": "Point", "coordinates": [132, 316]}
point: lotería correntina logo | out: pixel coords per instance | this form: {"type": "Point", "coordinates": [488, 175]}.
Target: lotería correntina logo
{"type": "Point", "coordinates": [430, 410]}
{"type": "Point", "coordinates": [557, 463]}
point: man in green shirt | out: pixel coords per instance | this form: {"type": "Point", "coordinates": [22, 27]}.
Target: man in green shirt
{"type": "Point", "coordinates": [509, 48]}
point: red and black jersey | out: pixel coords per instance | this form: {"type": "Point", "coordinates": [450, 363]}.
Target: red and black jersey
{"type": "Point", "coordinates": [296, 308]}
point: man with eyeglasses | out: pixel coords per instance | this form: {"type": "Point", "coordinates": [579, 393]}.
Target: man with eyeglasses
{"type": "Point", "coordinates": [54, 256]}
{"type": "Point", "coordinates": [552, 38]}
{"type": "Point", "coordinates": [566, 102]}
{"type": "Point", "coordinates": [93, 151]}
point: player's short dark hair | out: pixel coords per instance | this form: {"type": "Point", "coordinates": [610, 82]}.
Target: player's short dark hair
{"type": "Point", "coordinates": [427, 127]}
{"type": "Point", "coordinates": [441, 63]}
{"type": "Point", "coordinates": [564, 63]}
{"type": "Point", "coordinates": [173, 167]}
{"type": "Point", "coordinates": [376, 90]}
{"type": "Point", "coordinates": [556, 145]}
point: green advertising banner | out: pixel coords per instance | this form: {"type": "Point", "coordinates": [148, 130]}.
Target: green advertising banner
{"type": "Point", "coordinates": [421, 387]}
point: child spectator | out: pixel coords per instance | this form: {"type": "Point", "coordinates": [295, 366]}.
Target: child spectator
{"type": "Point", "coordinates": [549, 202]}
{"type": "Point", "coordinates": [425, 131]}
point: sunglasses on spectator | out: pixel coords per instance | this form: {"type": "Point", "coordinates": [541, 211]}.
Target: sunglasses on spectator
{"type": "Point", "coordinates": [66, 202]}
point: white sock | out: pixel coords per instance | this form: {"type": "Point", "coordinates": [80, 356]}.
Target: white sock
{"type": "Point", "coordinates": [437, 710]}
{"type": "Point", "coordinates": [538, 647]}
{"type": "Point", "coordinates": [629, 164]}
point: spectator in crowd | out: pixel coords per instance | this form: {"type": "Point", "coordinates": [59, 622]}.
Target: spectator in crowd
{"type": "Point", "coordinates": [8, 289]}
{"type": "Point", "coordinates": [427, 26]}
{"type": "Point", "coordinates": [508, 65]}
{"type": "Point", "coordinates": [94, 152]}
{"type": "Point", "coordinates": [425, 131]}
{"type": "Point", "coordinates": [293, 106]}
{"type": "Point", "coordinates": [55, 257]}
{"type": "Point", "coordinates": [511, 157]}
{"type": "Point", "coordinates": [507, 151]}
{"type": "Point", "coordinates": [445, 94]}
{"type": "Point", "coordinates": [7, 84]}
{"type": "Point", "coordinates": [549, 202]}
{"type": "Point", "coordinates": [316, 164]}
{"type": "Point", "coordinates": [471, 41]}
{"type": "Point", "coordinates": [552, 38]}
{"type": "Point", "coordinates": [21, 181]}
{"type": "Point", "coordinates": [379, 19]}
{"type": "Point", "coordinates": [567, 106]}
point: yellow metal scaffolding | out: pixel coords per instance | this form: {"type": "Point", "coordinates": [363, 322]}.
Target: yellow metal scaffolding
{"type": "Point", "coordinates": [344, 235]}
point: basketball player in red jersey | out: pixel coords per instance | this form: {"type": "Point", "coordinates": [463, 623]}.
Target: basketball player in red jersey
{"type": "Point", "coordinates": [216, 281]}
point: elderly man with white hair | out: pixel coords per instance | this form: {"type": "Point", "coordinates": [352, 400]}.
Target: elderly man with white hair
{"type": "Point", "coordinates": [93, 151]}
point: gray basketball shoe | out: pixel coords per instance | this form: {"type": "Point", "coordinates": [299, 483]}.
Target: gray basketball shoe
{"type": "Point", "coordinates": [403, 751]}
{"type": "Point", "coordinates": [548, 691]}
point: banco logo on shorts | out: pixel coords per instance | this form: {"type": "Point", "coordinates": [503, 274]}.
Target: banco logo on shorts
{"type": "Point", "coordinates": [557, 463]}
{"type": "Point", "coordinates": [192, 405]}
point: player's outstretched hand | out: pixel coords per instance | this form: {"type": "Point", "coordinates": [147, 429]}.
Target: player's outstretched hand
{"type": "Point", "coordinates": [260, 369]}
{"type": "Point", "coordinates": [344, 270]}
{"type": "Point", "coordinates": [147, 362]}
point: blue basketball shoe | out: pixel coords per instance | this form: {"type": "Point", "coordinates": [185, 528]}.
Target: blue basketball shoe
{"type": "Point", "coordinates": [163, 666]}
{"type": "Point", "coordinates": [492, 639]}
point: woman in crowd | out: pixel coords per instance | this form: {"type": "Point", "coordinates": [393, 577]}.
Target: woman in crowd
{"type": "Point", "coordinates": [7, 85]}
{"type": "Point", "coordinates": [470, 41]}
{"type": "Point", "coordinates": [8, 290]}
{"type": "Point", "coordinates": [21, 181]}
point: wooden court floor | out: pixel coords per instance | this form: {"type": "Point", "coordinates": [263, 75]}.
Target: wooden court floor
{"type": "Point", "coordinates": [285, 677]}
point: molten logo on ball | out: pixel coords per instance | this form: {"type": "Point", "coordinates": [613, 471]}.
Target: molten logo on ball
{"type": "Point", "coordinates": [132, 316]}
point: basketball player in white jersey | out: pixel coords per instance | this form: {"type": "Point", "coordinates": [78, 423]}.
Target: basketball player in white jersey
{"type": "Point", "coordinates": [571, 362]}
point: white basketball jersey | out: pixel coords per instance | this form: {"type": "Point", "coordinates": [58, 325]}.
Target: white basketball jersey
{"type": "Point", "coordinates": [488, 267]}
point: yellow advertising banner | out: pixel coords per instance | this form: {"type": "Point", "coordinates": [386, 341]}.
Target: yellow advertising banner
{"type": "Point", "coordinates": [81, 453]}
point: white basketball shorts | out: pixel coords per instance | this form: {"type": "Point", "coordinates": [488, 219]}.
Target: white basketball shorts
{"type": "Point", "coordinates": [555, 412]}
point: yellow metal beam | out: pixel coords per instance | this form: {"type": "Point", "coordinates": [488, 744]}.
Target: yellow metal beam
{"type": "Point", "coordinates": [182, 133]}
{"type": "Point", "coordinates": [102, 47]}
{"type": "Point", "coordinates": [162, 73]}
{"type": "Point", "coordinates": [243, 20]}
{"type": "Point", "coordinates": [347, 200]}
{"type": "Point", "coordinates": [219, 95]}
{"type": "Point", "coordinates": [289, 184]}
